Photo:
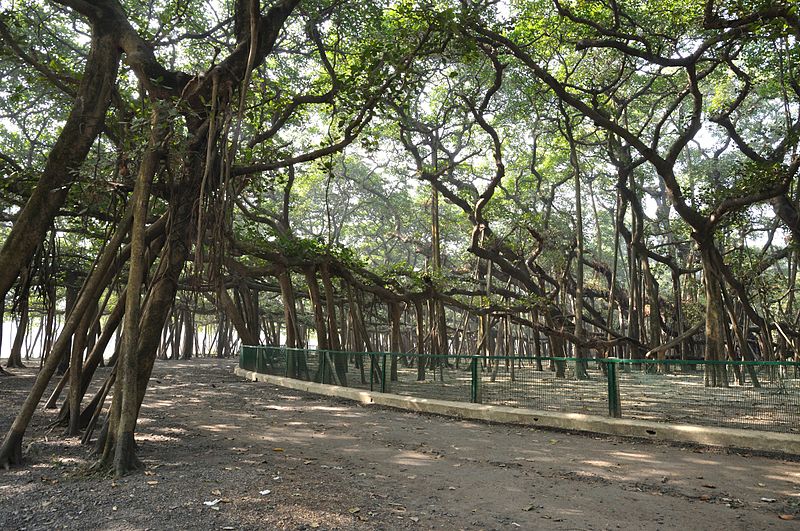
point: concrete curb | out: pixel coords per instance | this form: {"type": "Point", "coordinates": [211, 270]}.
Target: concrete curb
{"type": "Point", "coordinates": [763, 441]}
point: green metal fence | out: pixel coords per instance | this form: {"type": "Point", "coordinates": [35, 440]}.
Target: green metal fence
{"type": "Point", "coordinates": [759, 395]}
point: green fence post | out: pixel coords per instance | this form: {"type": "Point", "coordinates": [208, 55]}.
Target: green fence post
{"type": "Point", "coordinates": [474, 371]}
{"type": "Point", "coordinates": [383, 374]}
{"type": "Point", "coordinates": [321, 355]}
{"type": "Point", "coordinates": [614, 406]}
{"type": "Point", "coordinates": [371, 371]}
{"type": "Point", "coordinates": [286, 362]}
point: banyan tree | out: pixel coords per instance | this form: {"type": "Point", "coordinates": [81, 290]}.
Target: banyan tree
{"type": "Point", "coordinates": [562, 179]}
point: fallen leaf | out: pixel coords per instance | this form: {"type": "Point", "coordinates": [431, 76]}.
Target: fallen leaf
{"type": "Point", "coordinates": [709, 486]}
{"type": "Point", "coordinates": [769, 500]}
{"type": "Point", "coordinates": [216, 492]}
{"type": "Point", "coordinates": [264, 492]}
{"type": "Point", "coordinates": [212, 503]}
{"type": "Point", "coordinates": [277, 449]}
{"type": "Point", "coordinates": [528, 508]}
{"type": "Point", "coordinates": [786, 516]}
{"type": "Point", "coordinates": [151, 483]}
{"type": "Point", "coordinates": [354, 510]}
{"type": "Point", "coordinates": [705, 497]}
{"type": "Point", "coordinates": [414, 519]}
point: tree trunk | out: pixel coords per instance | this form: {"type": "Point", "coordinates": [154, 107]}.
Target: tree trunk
{"type": "Point", "coordinates": [580, 351]}
{"type": "Point", "coordinates": [123, 415]}
{"type": "Point", "coordinates": [84, 123]}
{"type": "Point", "coordinates": [421, 360]}
{"type": "Point", "coordinates": [188, 335]}
{"type": "Point", "coordinates": [233, 314]}
{"type": "Point", "coordinates": [324, 373]}
{"type": "Point", "coordinates": [715, 375]}
{"type": "Point", "coordinates": [339, 359]}
{"type": "Point", "coordinates": [75, 369]}
{"type": "Point", "coordinates": [15, 357]}
{"type": "Point", "coordinates": [395, 313]}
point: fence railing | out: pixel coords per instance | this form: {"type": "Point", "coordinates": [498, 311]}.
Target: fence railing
{"type": "Point", "coordinates": [760, 395]}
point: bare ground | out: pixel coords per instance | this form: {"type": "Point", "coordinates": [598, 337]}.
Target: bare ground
{"type": "Point", "coordinates": [206, 435]}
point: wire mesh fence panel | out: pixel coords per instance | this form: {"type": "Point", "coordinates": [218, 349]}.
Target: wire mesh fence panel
{"type": "Point", "coordinates": [733, 395]}
{"type": "Point", "coordinates": [520, 382]}
{"type": "Point", "coordinates": [445, 377]}
{"type": "Point", "coordinates": [272, 360]}
{"type": "Point", "coordinates": [358, 370]}
{"type": "Point", "coordinates": [247, 358]}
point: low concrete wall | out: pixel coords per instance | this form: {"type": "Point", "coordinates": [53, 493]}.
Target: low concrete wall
{"type": "Point", "coordinates": [728, 437]}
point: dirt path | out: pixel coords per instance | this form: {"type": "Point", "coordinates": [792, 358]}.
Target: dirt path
{"type": "Point", "coordinates": [206, 435]}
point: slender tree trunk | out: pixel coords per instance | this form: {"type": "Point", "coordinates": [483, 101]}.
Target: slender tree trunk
{"type": "Point", "coordinates": [233, 314]}
{"type": "Point", "coordinates": [126, 392]}
{"type": "Point", "coordinates": [15, 357]}
{"type": "Point", "coordinates": [395, 313]}
{"type": "Point", "coordinates": [94, 357]}
{"type": "Point", "coordinates": [187, 350]}
{"type": "Point", "coordinates": [421, 360]}
{"type": "Point", "coordinates": [339, 359]}
{"type": "Point", "coordinates": [73, 290]}
{"type": "Point", "coordinates": [75, 370]}
{"type": "Point", "coordinates": [323, 376]}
